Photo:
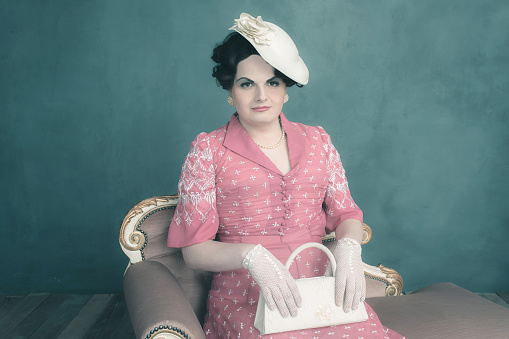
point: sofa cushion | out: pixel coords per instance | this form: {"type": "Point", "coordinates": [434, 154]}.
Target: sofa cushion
{"type": "Point", "coordinates": [442, 311]}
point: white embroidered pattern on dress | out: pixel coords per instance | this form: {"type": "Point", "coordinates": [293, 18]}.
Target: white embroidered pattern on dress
{"type": "Point", "coordinates": [253, 205]}
{"type": "Point", "coordinates": [337, 179]}
{"type": "Point", "coordinates": [194, 187]}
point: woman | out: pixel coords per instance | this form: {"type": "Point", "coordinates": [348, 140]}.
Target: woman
{"type": "Point", "coordinates": [259, 187]}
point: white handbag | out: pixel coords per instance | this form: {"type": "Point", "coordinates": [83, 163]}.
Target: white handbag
{"type": "Point", "coordinates": [318, 303]}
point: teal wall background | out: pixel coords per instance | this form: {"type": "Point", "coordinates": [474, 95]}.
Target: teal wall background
{"type": "Point", "coordinates": [100, 101]}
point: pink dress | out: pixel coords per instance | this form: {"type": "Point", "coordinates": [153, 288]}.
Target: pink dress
{"type": "Point", "coordinates": [230, 191]}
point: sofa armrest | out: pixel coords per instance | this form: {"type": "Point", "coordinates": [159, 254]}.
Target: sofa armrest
{"type": "Point", "coordinates": [157, 305]}
{"type": "Point", "coordinates": [144, 230]}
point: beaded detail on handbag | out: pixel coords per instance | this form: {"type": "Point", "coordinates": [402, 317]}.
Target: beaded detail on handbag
{"type": "Point", "coordinates": [319, 307]}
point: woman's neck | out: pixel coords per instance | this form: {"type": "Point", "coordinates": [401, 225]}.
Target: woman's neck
{"type": "Point", "coordinates": [265, 134]}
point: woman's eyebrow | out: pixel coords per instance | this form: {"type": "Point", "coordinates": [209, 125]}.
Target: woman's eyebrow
{"type": "Point", "coordinates": [244, 79]}
{"type": "Point", "coordinates": [247, 79]}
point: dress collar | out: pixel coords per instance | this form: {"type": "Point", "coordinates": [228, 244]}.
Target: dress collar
{"type": "Point", "coordinates": [239, 141]}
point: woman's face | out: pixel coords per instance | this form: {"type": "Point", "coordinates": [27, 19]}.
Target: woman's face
{"type": "Point", "coordinates": [257, 93]}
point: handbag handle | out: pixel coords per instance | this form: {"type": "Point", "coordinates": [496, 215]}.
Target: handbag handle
{"type": "Point", "coordinates": [309, 245]}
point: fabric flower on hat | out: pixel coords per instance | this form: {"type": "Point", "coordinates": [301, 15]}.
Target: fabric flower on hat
{"type": "Point", "coordinates": [255, 29]}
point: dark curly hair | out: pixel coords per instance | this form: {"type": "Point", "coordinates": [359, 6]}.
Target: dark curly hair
{"type": "Point", "coordinates": [227, 56]}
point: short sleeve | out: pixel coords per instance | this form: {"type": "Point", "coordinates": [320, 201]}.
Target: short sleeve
{"type": "Point", "coordinates": [339, 204]}
{"type": "Point", "coordinates": [195, 219]}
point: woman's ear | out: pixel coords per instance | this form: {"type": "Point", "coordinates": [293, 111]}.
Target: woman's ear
{"type": "Point", "coordinates": [230, 99]}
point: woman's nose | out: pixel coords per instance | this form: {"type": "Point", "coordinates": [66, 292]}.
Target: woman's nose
{"type": "Point", "coordinates": [260, 94]}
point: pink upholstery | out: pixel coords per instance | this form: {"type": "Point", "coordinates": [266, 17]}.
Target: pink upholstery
{"type": "Point", "coordinates": [154, 298]}
{"type": "Point", "coordinates": [443, 311]}
{"type": "Point", "coordinates": [163, 291]}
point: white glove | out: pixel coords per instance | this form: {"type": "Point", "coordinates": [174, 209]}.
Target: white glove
{"type": "Point", "coordinates": [275, 281]}
{"type": "Point", "coordinates": [350, 281]}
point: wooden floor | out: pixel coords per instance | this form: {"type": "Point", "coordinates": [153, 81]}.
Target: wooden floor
{"type": "Point", "coordinates": [58, 316]}
{"type": "Point", "coordinates": [76, 316]}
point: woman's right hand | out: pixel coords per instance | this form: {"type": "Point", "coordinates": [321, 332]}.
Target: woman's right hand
{"type": "Point", "coordinates": [275, 281]}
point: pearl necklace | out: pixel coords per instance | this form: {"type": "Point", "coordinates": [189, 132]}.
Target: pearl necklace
{"type": "Point", "coordinates": [278, 143]}
{"type": "Point", "coordinates": [283, 134]}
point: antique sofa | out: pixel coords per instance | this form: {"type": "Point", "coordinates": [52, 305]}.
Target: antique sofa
{"type": "Point", "coordinates": [166, 299]}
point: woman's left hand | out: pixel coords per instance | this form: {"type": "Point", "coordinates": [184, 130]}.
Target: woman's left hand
{"type": "Point", "coordinates": [350, 281]}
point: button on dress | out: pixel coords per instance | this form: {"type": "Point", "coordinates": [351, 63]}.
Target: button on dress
{"type": "Point", "coordinates": [229, 190]}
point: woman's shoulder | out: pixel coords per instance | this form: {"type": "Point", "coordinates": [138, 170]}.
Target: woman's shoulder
{"type": "Point", "coordinates": [207, 139]}
{"type": "Point", "coordinates": [311, 131]}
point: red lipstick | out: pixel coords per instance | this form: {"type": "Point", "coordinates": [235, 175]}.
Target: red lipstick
{"type": "Point", "coordinates": [261, 108]}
